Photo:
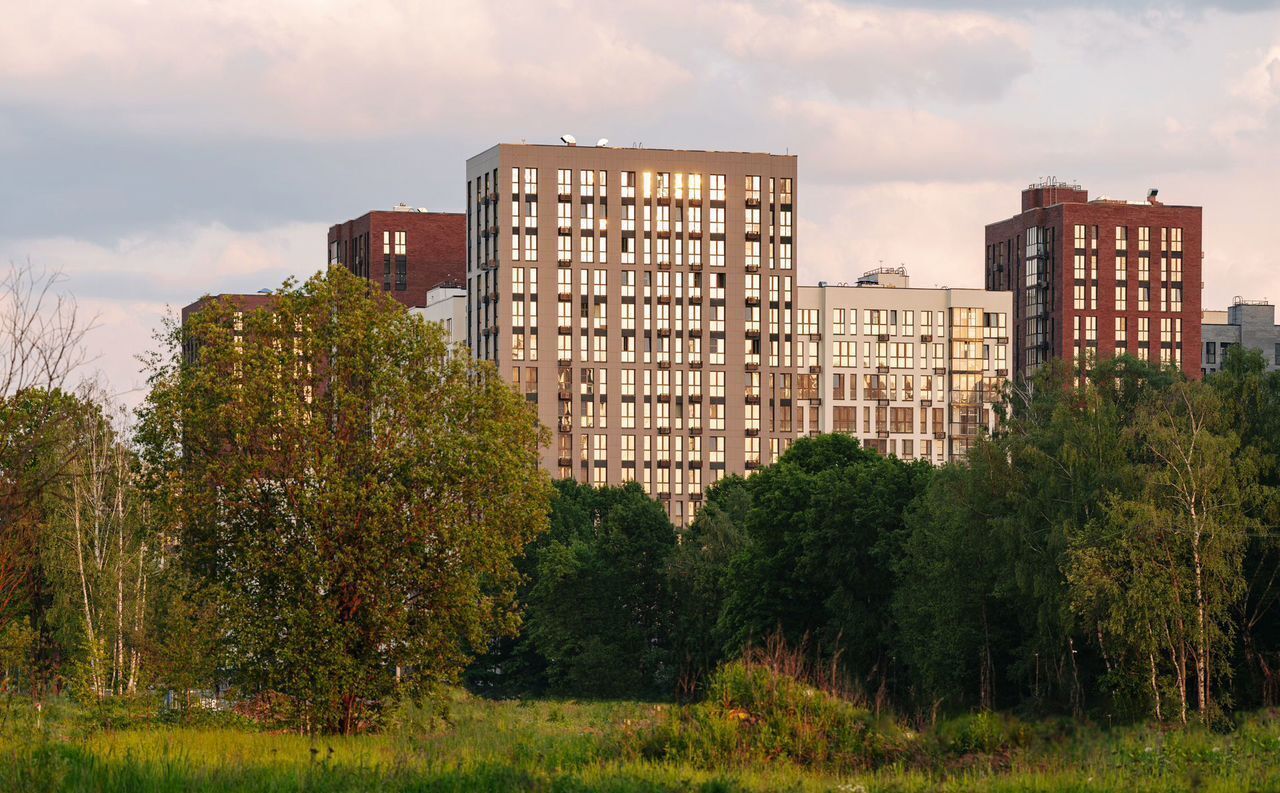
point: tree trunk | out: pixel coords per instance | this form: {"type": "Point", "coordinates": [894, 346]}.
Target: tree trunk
{"type": "Point", "coordinates": [1155, 685]}
{"type": "Point", "coordinates": [84, 590]}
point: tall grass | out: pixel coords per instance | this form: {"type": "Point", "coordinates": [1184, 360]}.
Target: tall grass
{"type": "Point", "coordinates": [795, 737]}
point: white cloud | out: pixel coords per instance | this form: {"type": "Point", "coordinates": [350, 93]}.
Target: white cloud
{"type": "Point", "coordinates": [323, 70]}
{"type": "Point", "coordinates": [875, 52]}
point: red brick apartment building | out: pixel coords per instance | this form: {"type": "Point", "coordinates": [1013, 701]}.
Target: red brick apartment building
{"type": "Point", "coordinates": [1099, 278]}
{"type": "Point", "coordinates": [409, 251]}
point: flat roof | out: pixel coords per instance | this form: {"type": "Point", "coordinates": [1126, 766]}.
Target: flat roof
{"type": "Point", "coordinates": [630, 148]}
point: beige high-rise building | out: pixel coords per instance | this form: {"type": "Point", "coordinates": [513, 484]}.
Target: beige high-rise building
{"type": "Point", "coordinates": [910, 372]}
{"type": "Point", "coordinates": [643, 298]}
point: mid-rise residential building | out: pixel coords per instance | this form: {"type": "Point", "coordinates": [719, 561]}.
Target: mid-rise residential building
{"type": "Point", "coordinates": [447, 305]}
{"type": "Point", "coordinates": [408, 251]}
{"type": "Point", "coordinates": [643, 299]}
{"type": "Point", "coordinates": [910, 372]}
{"type": "Point", "coordinates": [1098, 278]}
{"type": "Point", "coordinates": [1247, 323]}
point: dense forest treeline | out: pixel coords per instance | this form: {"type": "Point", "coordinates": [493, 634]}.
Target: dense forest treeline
{"type": "Point", "coordinates": [325, 508]}
{"type": "Point", "coordinates": [1111, 552]}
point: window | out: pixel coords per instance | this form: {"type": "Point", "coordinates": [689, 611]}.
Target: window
{"type": "Point", "coordinates": [1211, 352]}
{"type": "Point", "coordinates": [531, 181]}
{"type": "Point", "coordinates": [844, 418]}
{"type": "Point", "coordinates": [717, 187]}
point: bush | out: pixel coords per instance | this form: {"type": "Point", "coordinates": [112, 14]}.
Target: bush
{"type": "Point", "coordinates": [755, 712]}
{"type": "Point", "coordinates": [982, 733]}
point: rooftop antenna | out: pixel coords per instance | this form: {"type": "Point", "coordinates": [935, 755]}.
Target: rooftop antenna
{"type": "Point", "coordinates": [569, 140]}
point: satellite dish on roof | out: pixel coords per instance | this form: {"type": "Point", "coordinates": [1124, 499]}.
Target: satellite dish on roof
{"type": "Point", "coordinates": [569, 139]}
{"type": "Point", "coordinates": [602, 142]}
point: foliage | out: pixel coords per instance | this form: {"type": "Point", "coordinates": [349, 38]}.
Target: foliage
{"type": "Point", "coordinates": [348, 492]}
{"type": "Point", "coordinates": [822, 534]}
{"type": "Point", "coordinates": [697, 575]}
{"type": "Point", "coordinates": [599, 607]}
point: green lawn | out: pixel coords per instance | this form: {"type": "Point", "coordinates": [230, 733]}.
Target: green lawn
{"type": "Point", "coordinates": [569, 746]}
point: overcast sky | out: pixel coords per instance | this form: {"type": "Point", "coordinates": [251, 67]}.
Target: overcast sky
{"type": "Point", "coordinates": [157, 151]}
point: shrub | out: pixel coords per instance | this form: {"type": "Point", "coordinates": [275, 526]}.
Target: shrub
{"type": "Point", "coordinates": [754, 712]}
{"type": "Point", "coordinates": [981, 733]}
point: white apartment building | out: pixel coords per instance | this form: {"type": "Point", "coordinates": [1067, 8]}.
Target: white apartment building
{"type": "Point", "coordinates": [446, 305]}
{"type": "Point", "coordinates": [910, 372]}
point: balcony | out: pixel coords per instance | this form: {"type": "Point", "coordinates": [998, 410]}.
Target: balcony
{"type": "Point", "coordinates": [752, 463]}
{"type": "Point", "coordinates": [565, 360]}
{"type": "Point", "coordinates": [664, 430]}
{"type": "Point", "coordinates": [663, 397]}
{"type": "Point", "coordinates": [664, 331]}
{"type": "Point", "coordinates": [664, 264]}
{"type": "Point", "coordinates": [694, 234]}
{"type": "Point", "coordinates": [664, 299]}
{"type": "Point", "coordinates": [564, 330]}
{"type": "Point", "coordinates": [565, 462]}
{"type": "Point", "coordinates": [695, 266]}
{"type": "Point", "coordinates": [753, 300]}
{"type": "Point", "coordinates": [752, 399]}
{"type": "Point", "coordinates": [752, 432]}
{"type": "Point", "coordinates": [564, 394]}
{"type": "Point", "coordinates": [753, 235]}
{"type": "Point", "coordinates": [753, 333]}
{"type": "Point", "coordinates": [695, 496]}
{"type": "Point", "coordinates": [566, 296]}
{"type": "Point", "coordinates": [695, 363]}
{"type": "Point", "coordinates": [564, 261]}
{"type": "Point", "coordinates": [753, 200]}
{"type": "Point", "coordinates": [664, 364]}
{"type": "Point", "coordinates": [752, 367]}
{"type": "Point", "coordinates": [693, 396]}
{"type": "Point", "coordinates": [564, 231]}
{"type": "Point", "coordinates": [752, 267]}
{"type": "Point", "coordinates": [564, 192]}
{"type": "Point", "coordinates": [565, 423]}
{"type": "Point", "coordinates": [694, 333]}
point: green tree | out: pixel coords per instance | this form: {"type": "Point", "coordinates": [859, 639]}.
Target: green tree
{"type": "Point", "coordinates": [1161, 570]}
{"type": "Point", "coordinates": [697, 575]}
{"type": "Point", "coordinates": [349, 492]}
{"type": "Point", "coordinates": [956, 624]}
{"type": "Point", "coordinates": [823, 534]}
{"type": "Point", "coordinates": [1251, 395]}
{"type": "Point", "coordinates": [599, 607]}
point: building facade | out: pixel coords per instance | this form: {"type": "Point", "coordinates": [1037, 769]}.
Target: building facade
{"type": "Point", "coordinates": [1099, 278]}
{"type": "Point", "coordinates": [910, 372]}
{"type": "Point", "coordinates": [643, 299]}
{"type": "Point", "coordinates": [1247, 323]}
{"type": "Point", "coordinates": [447, 306]}
{"type": "Point", "coordinates": [408, 251]}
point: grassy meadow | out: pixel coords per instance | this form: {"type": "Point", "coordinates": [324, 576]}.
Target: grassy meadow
{"type": "Point", "coordinates": [472, 744]}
